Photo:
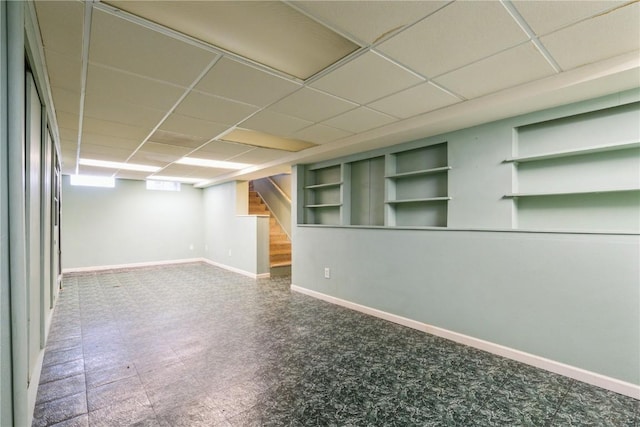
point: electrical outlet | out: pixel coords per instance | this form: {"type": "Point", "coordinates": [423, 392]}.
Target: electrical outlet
{"type": "Point", "coordinates": [327, 273]}
{"type": "Point", "coordinates": [191, 247]}
{"type": "Point", "coordinates": [229, 252]}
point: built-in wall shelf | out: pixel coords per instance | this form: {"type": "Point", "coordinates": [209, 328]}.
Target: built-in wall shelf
{"type": "Point", "coordinates": [329, 184]}
{"type": "Point", "coordinates": [571, 193]}
{"type": "Point", "coordinates": [405, 185]}
{"type": "Point", "coordinates": [418, 173]}
{"type": "Point", "coordinates": [324, 205]}
{"type": "Point", "coordinates": [578, 172]}
{"type": "Point", "coordinates": [579, 152]}
{"type": "Point", "coordinates": [417, 187]}
{"type": "Point", "coordinates": [323, 195]}
{"type": "Point", "coordinates": [423, 200]}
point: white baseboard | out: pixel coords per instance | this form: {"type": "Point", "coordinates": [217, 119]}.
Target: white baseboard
{"type": "Point", "coordinates": [168, 262]}
{"type": "Point", "coordinates": [615, 385]}
{"type": "Point", "coordinates": [237, 270]}
{"type": "Point", "coordinates": [131, 265]}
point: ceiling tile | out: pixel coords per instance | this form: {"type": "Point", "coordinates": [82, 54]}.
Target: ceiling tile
{"type": "Point", "coordinates": [360, 120]}
{"type": "Point", "coordinates": [104, 108]}
{"type": "Point", "coordinates": [120, 130]}
{"type": "Point", "coordinates": [178, 139]}
{"type": "Point", "coordinates": [70, 135]}
{"type": "Point", "coordinates": [119, 43]}
{"type": "Point", "coordinates": [61, 26]}
{"type": "Point", "coordinates": [234, 80]}
{"type": "Point", "coordinates": [192, 126]}
{"type": "Point", "coordinates": [213, 108]}
{"type": "Point", "coordinates": [275, 123]}
{"type": "Point", "coordinates": [369, 21]}
{"type": "Point", "coordinates": [101, 152]}
{"type": "Point", "coordinates": [125, 87]}
{"type": "Point", "coordinates": [190, 171]}
{"type": "Point", "coordinates": [367, 78]}
{"type": "Point", "coordinates": [546, 16]}
{"type": "Point", "coordinates": [416, 100]}
{"type": "Point", "coordinates": [267, 32]}
{"type": "Point", "coordinates": [456, 35]}
{"type": "Point", "coordinates": [141, 158]}
{"type": "Point", "coordinates": [595, 39]}
{"type": "Point", "coordinates": [312, 105]}
{"type": "Point", "coordinates": [95, 171]}
{"type": "Point", "coordinates": [265, 140]}
{"type": "Point", "coordinates": [67, 120]}
{"type": "Point", "coordinates": [161, 152]}
{"type": "Point", "coordinates": [260, 155]}
{"type": "Point", "coordinates": [125, 174]}
{"type": "Point", "coordinates": [218, 150]}
{"type": "Point", "coordinates": [109, 141]}
{"type": "Point", "coordinates": [321, 134]}
{"type": "Point", "coordinates": [66, 101]}
{"type": "Point", "coordinates": [510, 68]}
{"type": "Point", "coordinates": [64, 71]}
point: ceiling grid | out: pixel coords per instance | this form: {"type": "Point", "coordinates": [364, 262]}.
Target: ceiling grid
{"type": "Point", "coordinates": [156, 85]}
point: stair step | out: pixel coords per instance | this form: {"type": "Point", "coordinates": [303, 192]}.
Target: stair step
{"type": "Point", "coordinates": [280, 264]}
{"type": "Point", "coordinates": [280, 250]}
{"type": "Point", "coordinates": [279, 245]}
{"type": "Point", "coordinates": [279, 258]}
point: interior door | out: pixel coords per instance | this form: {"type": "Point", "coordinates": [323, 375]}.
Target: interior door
{"type": "Point", "coordinates": [33, 160]}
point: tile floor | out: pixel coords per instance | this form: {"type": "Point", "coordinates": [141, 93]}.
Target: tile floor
{"type": "Point", "coordinates": [194, 345]}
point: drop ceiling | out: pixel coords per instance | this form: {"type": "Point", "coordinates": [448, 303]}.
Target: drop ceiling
{"type": "Point", "coordinates": [271, 84]}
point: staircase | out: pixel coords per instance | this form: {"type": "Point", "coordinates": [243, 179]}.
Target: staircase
{"type": "Point", "coordinates": [279, 243]}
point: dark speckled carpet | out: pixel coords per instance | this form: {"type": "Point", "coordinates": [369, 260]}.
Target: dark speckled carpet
{"type": "Point", "coordinates": [194, 345]}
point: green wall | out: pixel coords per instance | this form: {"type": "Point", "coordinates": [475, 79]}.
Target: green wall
{"type": "Point", "coordinates": [233, 238]}
{"type": "Point", "coordinates": [572, 297]}
{"type": "Point", "coordinates": [129, 224]}
{"type": "Point", "coordinates": [5, 318]}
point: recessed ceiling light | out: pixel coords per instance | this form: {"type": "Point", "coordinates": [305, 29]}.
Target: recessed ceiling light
{"type": "Point", "coordinates": [92, 181]}
{"type": "Point", "coordinates": [118, 165]}
{"type": "Point", "coordinates": [206, 163]}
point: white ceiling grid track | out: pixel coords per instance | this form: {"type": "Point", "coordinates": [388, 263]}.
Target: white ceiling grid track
{"type": "Point", "coordinates": [147, 86]}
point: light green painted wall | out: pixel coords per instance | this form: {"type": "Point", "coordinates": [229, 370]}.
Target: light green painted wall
{"type": "Point", "coordinates": [572, 298]}
{"type": "Point", "coordinates": [5, 319]}
{"type": "Point", "coordinates": [233, 238]}
{"type": "Point", "coordinates": [129, 224]}
{"type": "Point", "coordinates": [569, 298]}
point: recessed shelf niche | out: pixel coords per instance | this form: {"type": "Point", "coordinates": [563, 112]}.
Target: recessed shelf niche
{"type": "Point", "coordinates": [417, 187]}
{"type": "Point", "coordinates": [388, 188]}
{"type": "Point", "coordinates": [579, 173]}
{"type": "Point", "coordinates": [323, 195]}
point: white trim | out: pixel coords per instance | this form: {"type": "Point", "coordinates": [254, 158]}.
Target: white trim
{"type": "Point", "coordinates": [615, 385]}
{"type": "Point", "coordinates": [131, 265]}
{"type": "Point", "coordinates": [237, 270]}
{"type": "Point", "coordinates": [168, 262]}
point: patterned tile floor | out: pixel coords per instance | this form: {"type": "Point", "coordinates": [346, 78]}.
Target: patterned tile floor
{"type": "Point", "coordinates": [194, 345]}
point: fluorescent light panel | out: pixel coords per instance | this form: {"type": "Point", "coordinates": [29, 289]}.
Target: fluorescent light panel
{"type": "Point", "coordinates": [217, 164]}
{"type": "Point", "coordinates": [118, 165]}
{"type": "Point", "coordinates": [185, 179]}
{"type": "Point", "coordinates": [92, 181]}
